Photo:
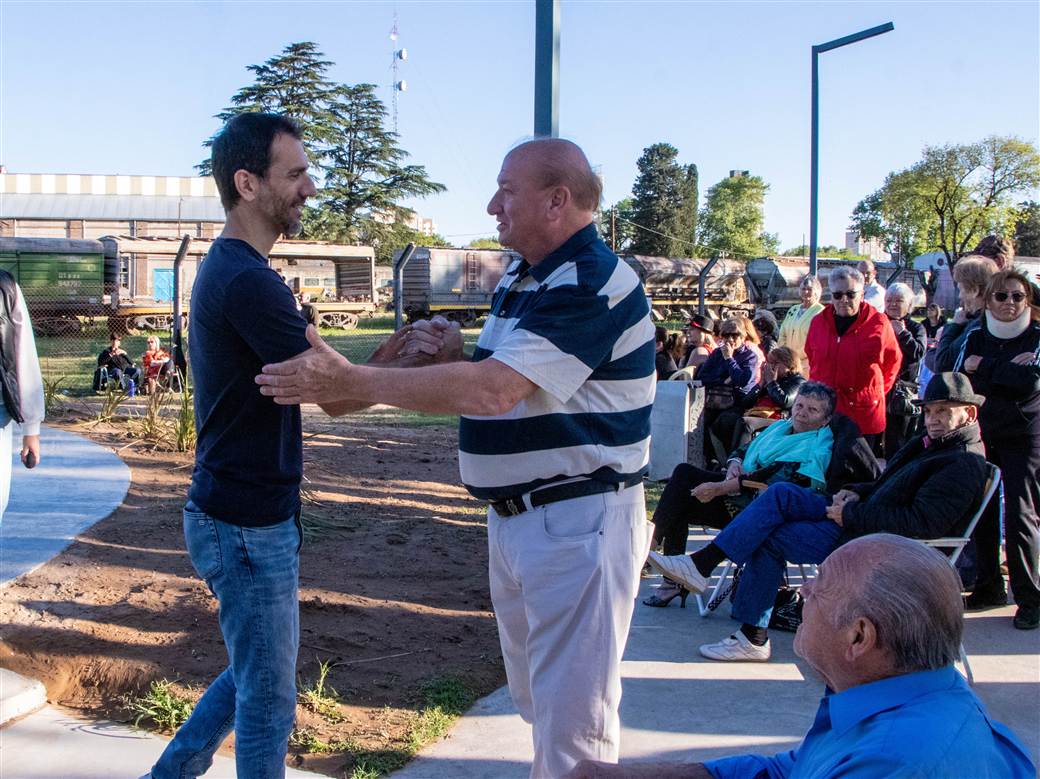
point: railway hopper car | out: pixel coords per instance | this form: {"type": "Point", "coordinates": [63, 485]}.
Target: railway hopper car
{"type": "Point", "coordinates": [773, 281]}
{"type": "Point", "coordinates": [459, 283]}
{"type": "Point", "coordinates": [64, 281]}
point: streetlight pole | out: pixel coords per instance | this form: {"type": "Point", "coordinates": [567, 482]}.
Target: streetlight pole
{"type": "Point", "coordinates": [547, 68]}
{"type": "Point", "coordinates": [814, 158]}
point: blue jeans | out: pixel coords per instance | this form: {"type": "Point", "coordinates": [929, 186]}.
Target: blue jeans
{"type": "Point", "coordinates": [254, 573]}
{"type": "Point", "coordinates": [784, 523]}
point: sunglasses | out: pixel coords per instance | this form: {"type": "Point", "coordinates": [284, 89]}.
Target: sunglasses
{"type": "Point", "coordinates": [1016, 297]}
{"type": "Point", "coordinates": [850, 294]}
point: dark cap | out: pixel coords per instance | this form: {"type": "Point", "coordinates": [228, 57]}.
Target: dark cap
{"type": "Point", "coordinates": [950, 387]}
{"type": "Point", "coordinates": [703, 322]}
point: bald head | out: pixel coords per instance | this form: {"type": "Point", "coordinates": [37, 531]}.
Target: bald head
{"type": "Point", "coordinates": [866, 267]}
{"type": "Point", "coordinates": [908, 591]}
{"type": "Point", "coordinates": [561, 163]}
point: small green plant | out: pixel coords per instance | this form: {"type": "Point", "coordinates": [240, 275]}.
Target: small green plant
{"type": "Point", "coordinates": [113, 398]}
{"type": "Point", "coordinates": [152, 426]}
{"type": "Point", "coordinates": [321, 697]}
{"type": "Point", "coordinates": [184, 427]}
{"type": "Point", "coordinates": [52, 394]}
{"type": "Point", "coordinates": [446, 698]}
{"type": "Point", "coordinates": [162, 705]}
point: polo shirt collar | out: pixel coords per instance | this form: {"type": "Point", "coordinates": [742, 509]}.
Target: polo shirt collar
{"type": "Point", "coordinates": [563, 253]}
{"type": "Point", "coordinates": [851, 707]}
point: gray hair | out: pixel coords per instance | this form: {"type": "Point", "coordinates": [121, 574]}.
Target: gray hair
{"type": "Point", "coordinates": [845, 272]}
{"type": "Point", "coordinates": [909, 592]}
{"type": "Point", "coordinates": [817, 389]}
{"type": "Point", "coordinates": [901, 289]}
{"type": "Point", "coordinates": [811, 279]}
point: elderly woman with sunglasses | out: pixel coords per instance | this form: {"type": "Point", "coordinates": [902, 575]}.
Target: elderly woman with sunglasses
{"type": "Point", "coordinates": [852, 348]}
{"type": "Point", "coordinates": [1002, 358]}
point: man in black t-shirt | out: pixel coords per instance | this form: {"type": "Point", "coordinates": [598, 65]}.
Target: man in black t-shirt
{"type": "Point", "coordinates": [117, 364]}
{"type": "Point", "coordinates": [242, 519]}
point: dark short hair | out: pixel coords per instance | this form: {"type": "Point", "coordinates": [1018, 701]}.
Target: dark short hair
{"type": "Point", "coordinates": [1000, 250]}
{"type": "Point", "coordinates": [818, 389]}
{"type": "Point", "coordinates": [245, 144]}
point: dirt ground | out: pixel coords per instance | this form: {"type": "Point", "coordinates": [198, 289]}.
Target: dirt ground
{"type": "Point", "coordinates": [393, 587]}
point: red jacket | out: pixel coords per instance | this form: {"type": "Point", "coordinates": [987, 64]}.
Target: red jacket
{"type": "Point", "coordinates": [861, 366]}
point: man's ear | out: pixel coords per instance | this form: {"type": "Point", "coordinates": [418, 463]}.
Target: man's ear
{"type": "Point", "coordinates": [559, 198]}
{"type": "Point", "coordinates": [860, 639]}
{"type": "Point", "coordinates": [247, 185]}
{"type": "Point", "coordinates": [973, 414]}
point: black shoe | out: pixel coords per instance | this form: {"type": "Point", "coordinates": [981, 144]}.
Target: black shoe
{"type": "Point", "coordinates": [982, 599]}
{"type": "Point", "coordinates": [1027, 618]}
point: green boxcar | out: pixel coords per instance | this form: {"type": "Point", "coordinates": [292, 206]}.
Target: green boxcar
{"type": "Point", "coordinates": [62, 280]}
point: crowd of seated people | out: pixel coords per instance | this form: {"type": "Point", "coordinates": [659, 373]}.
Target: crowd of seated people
{"type": "Point", "coordinates": [114, 364]}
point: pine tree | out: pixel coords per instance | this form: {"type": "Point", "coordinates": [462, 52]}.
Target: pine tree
{"type": "Point", "coordinates": [664, 202]}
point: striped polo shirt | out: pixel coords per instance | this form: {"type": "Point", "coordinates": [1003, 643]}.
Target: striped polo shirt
{"type": "Point", "coordinates": [578, 325]}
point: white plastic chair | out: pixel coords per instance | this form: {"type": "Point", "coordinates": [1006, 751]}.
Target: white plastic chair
{"type": "Point", "coordinates": [952, 546]}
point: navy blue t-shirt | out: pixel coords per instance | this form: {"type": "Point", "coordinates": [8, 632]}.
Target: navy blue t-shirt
{"type": "Point", "coordinates": [249, 455]}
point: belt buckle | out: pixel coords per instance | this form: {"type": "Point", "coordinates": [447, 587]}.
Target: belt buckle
{"type": "Point", "coordinates": [515, 506]}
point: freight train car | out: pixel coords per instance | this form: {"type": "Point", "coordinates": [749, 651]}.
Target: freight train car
{"type": "Point", "coordinates": [459, 283]}
{"type": "Point", "coordinates": [773, 281]}
{"type": "Point", "coordinates": [64, 281]}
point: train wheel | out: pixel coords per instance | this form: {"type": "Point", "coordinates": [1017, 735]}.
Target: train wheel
{"type": "Point", "coordinates": [341, 320]}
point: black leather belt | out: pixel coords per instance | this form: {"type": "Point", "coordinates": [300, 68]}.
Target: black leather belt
{"type": "Point", "coordinates": [510, 507]}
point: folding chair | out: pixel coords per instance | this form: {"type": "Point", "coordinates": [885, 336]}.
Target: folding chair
{"type": "Point", "coordinates": [727, 580]}
{"type": "Point", "coordinates": [952, 546]}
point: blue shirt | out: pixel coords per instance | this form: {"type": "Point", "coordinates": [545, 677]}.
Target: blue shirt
{"type": "Point", "coordinates": [576, 324]}
{"type": "Point", "coordinates": [249, 455]}
{"type": "Point", "coordinates": [927, 724]}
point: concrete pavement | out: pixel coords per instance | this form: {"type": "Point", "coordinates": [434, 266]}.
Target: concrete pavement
{"type": "Point", "coordinates": [676, 706]}
{"type": "Point", "coordinates": [679, 706]}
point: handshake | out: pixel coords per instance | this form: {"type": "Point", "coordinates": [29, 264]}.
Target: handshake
{"type": "Point", "coordinates": [425, 342]}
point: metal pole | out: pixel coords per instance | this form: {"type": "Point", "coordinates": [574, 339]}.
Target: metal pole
{"type": "Point", "coordinates": [398, 286]}
{"type": "Point", "coordinates": [547, 68]}
{"type": "Point", "coordinates": [702, 280]}
{"type": "Point", "coordinates": [179, 360]}
{"type": "Point", "coordinates": [814, 159]}
{"type": "Point", "coordinates": [814, 154]}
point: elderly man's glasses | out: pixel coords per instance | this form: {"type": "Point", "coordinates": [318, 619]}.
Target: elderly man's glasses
{"type": "Point", "coordinates": [850, 294]}
{"type": "Point", "coordinates": [1016, 297]}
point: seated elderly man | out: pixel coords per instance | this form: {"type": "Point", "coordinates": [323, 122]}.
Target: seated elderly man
{"type": "Point", "coordinates": [927, 490]}
{"type": "Point", "coordinates": [895, 706]}
{"type": "Point", "coordinates": [815, 448]}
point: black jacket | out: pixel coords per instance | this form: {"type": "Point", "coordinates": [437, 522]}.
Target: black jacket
{"type": "Point", "coordinates": [913, 343]}
{"type": "Point", "coordinates": [1012, 407]}
{"type": "Point", "coordinates": [12, 396]}
{"type": "Point", "coordinates": [781, 391]}
{"type": "Point", "coordinates": [851, 458]}
{"type": "Point", "coordinates": [950, 343]}
{"type": "Point", "coordinates": [925, 492]}
{"type": "Point", "coordinates": [120, 362]}
{"type": "Point", "coordinates": [665, 365]}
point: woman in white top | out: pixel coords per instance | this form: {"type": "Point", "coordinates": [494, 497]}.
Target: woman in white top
{"type": "Point", "coordinates": [795, 327]}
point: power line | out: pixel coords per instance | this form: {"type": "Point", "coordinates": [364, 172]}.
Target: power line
{"type": "Point", "coordinates": [694, 244]}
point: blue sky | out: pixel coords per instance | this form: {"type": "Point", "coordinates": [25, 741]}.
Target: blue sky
{"type": "Point", "coordinates": [131, 87]}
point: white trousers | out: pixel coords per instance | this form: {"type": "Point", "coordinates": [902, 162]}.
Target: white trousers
{"type": "Point", "coordinates": [6, 453]}
{"type": "Point", "coordinates": [564, 578]}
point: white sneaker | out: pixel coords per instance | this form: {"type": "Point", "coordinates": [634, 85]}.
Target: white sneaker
{"type": "Point", "coordinates": [679, 568]}
{"type": "Point", "coordinates": [738, 649]}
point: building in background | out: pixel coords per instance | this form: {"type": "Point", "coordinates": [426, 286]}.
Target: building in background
{"type": "Point", "coordinates": [866, 247]}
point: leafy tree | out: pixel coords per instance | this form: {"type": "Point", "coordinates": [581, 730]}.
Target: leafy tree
{"type": "Point", "coordinates": [361, 169]}
{"type": "Point", "coordinates": [1027, 229]}
{"type": "Point", "coordinates": [664, 204]}
{"type": "Point", "coordinates": [484, 243]}
{"type": "Point", "coordinates": [295, 84]}
{"type": "Point", "coordinates": [953, 197]}
{"type": "Point", "coordinates": [822, 251]}
{"type": "Point", "coordinates": [733, 218]}
{"type": "Point", "coordinates": [619, 217]}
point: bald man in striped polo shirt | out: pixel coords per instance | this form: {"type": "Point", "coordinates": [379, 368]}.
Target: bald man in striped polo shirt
{"type": "Point", "coordinates": [554, 435]}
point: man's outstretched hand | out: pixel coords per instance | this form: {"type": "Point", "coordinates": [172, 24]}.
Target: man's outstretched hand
{"type": "Point", "coordinates": [318, 375]}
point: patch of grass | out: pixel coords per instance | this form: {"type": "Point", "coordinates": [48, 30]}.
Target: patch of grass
{"type": "Point", "coordinates": [161, 705]}
{"type": "Point", "coordinates": [184, 427]}
{"type": "Point", "coordinates": [375, 763]}
{"type": "Point", "coordinates": [52, 393]}
{"type": "Point", "coordinates": [653, 490]}
{"type": "Point", "coordinates": [306, 740]}
{"type": "Point", "coordinates": [321, 697]}
{"type": "Point", "coordinates": [113, 398]}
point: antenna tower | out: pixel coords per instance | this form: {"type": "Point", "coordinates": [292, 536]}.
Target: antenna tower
{"type": "Point", "coordinates": [397, 85]}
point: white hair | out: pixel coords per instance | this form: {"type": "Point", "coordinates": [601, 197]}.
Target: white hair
{"type": "Point", "coordinates": [901, 289]}
{"type": "Point", "coordinates": [845, 272]}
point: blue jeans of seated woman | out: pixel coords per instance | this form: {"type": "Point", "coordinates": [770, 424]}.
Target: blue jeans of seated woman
{"type": "Point", "coordinates": [254, 574]}
{"type": "Point", "coordinates": [784, 523]}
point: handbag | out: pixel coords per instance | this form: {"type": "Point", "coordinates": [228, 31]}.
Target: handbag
{"type": "Point", "coordinates": [900, 400]}
{"type": "Point", "coordinates": [718, 398]}
{"type": "Point", "coordinates": [787, 610]}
